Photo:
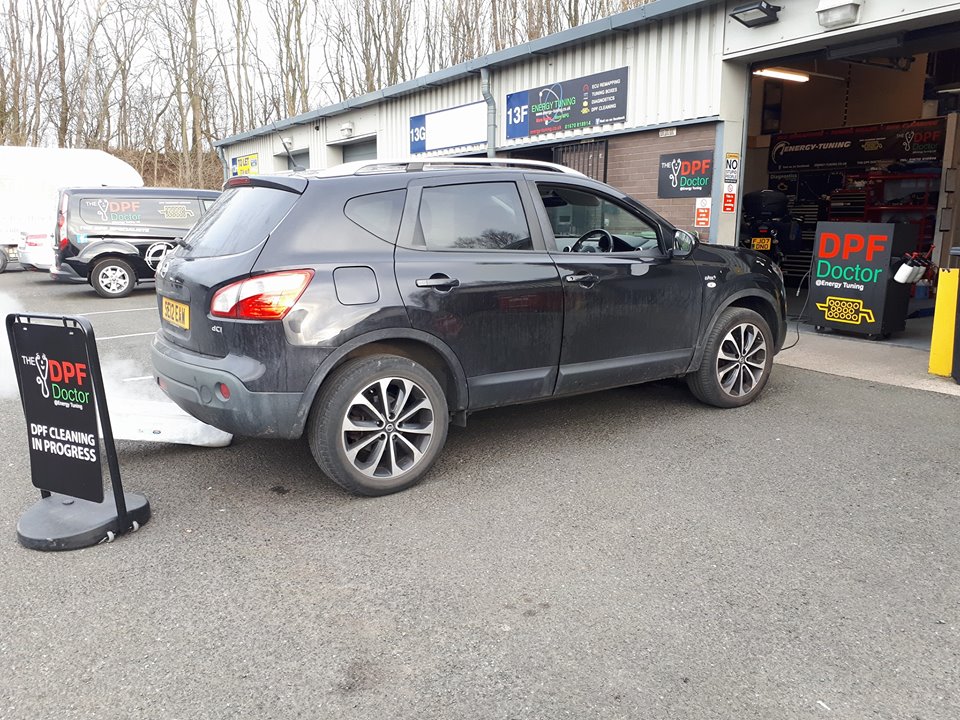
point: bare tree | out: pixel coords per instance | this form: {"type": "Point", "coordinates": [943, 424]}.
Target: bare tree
{"type": "Point", "coordinates": [23, 73]}
{"type": "Point", "coordinates": [294, 31]}
{"type": "Point", "coordinates": [371, 45]}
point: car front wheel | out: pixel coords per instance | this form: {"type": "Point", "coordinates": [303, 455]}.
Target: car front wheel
{"type": "Point", "coordinates": [113, 278]}
{"type": "Point", "coordinates": [736, 361]}
{"type": "Point", "coordinates": [378, 424]}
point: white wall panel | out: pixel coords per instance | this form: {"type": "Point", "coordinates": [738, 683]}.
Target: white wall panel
{"type": "Point", "coordinates": [674, 77]}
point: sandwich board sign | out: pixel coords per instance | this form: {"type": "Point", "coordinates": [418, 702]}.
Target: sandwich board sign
{"type": "Point", "coordinates": [64, 406]}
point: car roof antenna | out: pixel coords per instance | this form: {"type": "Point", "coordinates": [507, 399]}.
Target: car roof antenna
{"type": "Point", "coordinates": [294, 165]}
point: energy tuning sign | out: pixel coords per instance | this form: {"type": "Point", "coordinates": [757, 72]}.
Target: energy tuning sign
{"type": "Point", "coordinates": [584, 102]}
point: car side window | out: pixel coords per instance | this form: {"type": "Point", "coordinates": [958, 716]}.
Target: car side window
{"type": "Point", "coordinates": [473, 216]}
{"type": "Point", "coordinates": [378, 213]}
{"type": "Point", "coordinates": [574, 212]}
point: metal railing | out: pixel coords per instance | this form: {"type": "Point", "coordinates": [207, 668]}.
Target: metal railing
{"type": "Point", "coordinates": [372, 167]}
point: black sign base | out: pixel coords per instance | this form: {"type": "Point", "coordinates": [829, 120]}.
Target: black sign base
{"type": "Point", "coordinates": [60, 522]}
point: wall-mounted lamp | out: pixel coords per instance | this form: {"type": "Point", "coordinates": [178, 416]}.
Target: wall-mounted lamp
{"type": "Point", "coordinates": [833, 14]}
{"type": "Point", "coordinates": [287, 142]}
{"type": "Point", "coordinates": [346, 129]}
{"type": "Point", "coordinates": [755, 14]}
{"type": "Point", "coordinates": [783, 74]}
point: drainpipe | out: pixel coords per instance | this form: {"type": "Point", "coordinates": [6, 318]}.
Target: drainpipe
{"type": "Point", "coordinates": [223, 162]}
{"type": "Point", "coordinates": [491, 112]}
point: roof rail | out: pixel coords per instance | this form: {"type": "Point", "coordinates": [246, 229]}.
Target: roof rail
{"type": "Point", "coordinates": [372, 167]}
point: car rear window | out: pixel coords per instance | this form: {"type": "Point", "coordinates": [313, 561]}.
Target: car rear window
{"type": "Point", "coordinates": [149, 212]}
{"type": "Point", "coordinates": [378, 213]}
{"type": "Point", "coordinates": [241, 219]}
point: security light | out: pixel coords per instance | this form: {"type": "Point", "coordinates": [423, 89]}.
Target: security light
{"type": "Point", "coordinates": [755, 14]}
{"type": "Point", "coordinates": [832, 14]}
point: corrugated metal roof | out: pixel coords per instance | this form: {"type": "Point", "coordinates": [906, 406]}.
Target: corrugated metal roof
{"type": "Point", "coordinates": [628, 20]}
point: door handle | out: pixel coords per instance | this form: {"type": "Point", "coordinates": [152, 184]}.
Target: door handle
{"type": "Point", "coordinates": [582, 278]}
{"type": "Point", "coordinates": [438, 282]}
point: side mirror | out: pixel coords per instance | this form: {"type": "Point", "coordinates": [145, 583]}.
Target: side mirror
{"type": "Point", "coordinates": [684, 243]}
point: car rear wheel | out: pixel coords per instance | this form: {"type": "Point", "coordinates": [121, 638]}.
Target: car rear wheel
{"type": "Point", "coordinates": [736, 360]}
{"type": "Point", "coordinates": [378, 424]}
{"type": "Point", "coordinates": [113, 278]}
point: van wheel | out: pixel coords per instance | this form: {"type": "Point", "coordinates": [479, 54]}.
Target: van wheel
{"type": "Point", "coordinates": [4, 260]}
{"type": "Point", "coordinates": [736, 360]}
{"type": "Point", "coordinates": [113, 278]}
{"type": "Point", "coordinates": [378, 424]}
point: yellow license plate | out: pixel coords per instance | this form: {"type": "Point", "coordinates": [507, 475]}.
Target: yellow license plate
{"type": "Point", "coordinates": [761, 243]}
{"type": "Point", "coordinates": [176, 313]}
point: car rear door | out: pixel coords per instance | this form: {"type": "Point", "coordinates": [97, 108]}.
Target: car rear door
{"type": "Point", "coordinates": [632, 314]}
{"type": "Point", "coordinates": [473, 271]}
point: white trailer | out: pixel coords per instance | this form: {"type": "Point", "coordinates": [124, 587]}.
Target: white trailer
{"type": "Point", "coordinates": [30, 181]}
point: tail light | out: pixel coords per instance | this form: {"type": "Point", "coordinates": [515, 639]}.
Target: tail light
{"type": "Point", "coordinates": [62, 220]}
{"type": "Point", "coordinates": [264, 297]}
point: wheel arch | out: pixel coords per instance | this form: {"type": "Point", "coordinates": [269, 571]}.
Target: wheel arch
{"type": "Point", "coordinates": [415, 345]}
{"type": "Point", "coordinates": [762, 303]}
{"type": "Point", "coordinates": [109, 255]}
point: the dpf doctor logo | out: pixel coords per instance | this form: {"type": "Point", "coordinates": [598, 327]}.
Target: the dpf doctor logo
{"type": "Point", "coordinates": [675, 174]}
{"type": "Point", "coordinates": [60, 380]}
{"type": "Point", "coordinates": [685, 174]}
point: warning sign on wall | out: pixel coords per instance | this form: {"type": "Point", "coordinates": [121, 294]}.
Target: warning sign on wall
{"type": "Point", "coordinates": [731, 168]}
{"type": "Point", "coordinates": [701, 217]}
{"type": "Point", "coordinates": [730, 201]}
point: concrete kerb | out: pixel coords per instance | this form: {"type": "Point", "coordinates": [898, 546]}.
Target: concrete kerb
{"type": "Point", "coordinates": [878, 362]}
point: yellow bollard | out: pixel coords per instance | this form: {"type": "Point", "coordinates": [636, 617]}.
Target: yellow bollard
{"type": "Point", "coordinates": [944, 324]}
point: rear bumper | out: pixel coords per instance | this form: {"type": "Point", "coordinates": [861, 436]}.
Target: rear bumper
{"type": "Point", "coordinates": [66, 274]}
{"type": "Point", "coordinates": [32, 259]}
{"type": "Point", "coordinates": [193, 387]}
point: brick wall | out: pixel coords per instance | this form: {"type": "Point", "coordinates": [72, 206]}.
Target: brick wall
{"type": "Point", "coordinates": [633, 163]}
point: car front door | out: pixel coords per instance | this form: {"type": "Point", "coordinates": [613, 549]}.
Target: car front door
{"type": "Point", "coordinates": [632, 309]}
{"type": "Point", "coordinates": [474, 273]}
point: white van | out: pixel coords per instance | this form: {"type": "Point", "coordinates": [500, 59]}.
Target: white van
{"type": "Point", "coordinates": [30, 182]}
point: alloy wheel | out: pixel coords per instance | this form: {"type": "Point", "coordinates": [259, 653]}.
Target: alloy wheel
{"type": "Point", "coordinates": [387, 428]}
{"type": "Point", "coordinates": [742, 359]}
{"type": "Point", "coordinates": [113, 279]}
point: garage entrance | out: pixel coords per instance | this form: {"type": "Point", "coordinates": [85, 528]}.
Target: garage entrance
{"type": "Point", "coordinates": [862, 133]}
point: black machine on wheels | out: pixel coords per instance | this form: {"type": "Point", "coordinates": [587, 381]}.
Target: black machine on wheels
{"type": "Point", "coordinates": [767, 226]}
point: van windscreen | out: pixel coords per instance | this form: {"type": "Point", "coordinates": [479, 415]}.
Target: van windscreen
{"type": "Point", "coordinates": [179, 213]}
{"type": "Point", "coordinates": [240, 220]}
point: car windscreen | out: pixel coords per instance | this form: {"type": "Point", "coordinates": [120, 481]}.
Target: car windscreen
{"type": "Point", "coordinates": [180, 213]}
{"type": "Point", "coordinates": [241, 219]}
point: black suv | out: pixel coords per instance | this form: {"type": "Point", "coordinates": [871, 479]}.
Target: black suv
{"type": "Point", "coordinates": [372, 304]}
{"type": "Point", "coordinates": [114, 238]}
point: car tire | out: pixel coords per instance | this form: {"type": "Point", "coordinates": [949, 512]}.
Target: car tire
{"type": "Point", "coordinates": [369, 447]}
{"type": "Point", "coordinates": [4, 261]}
{"type": "Point", "coordinates": [736, 360]}
{"type": "Point", "coordinates": [113, 278]}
